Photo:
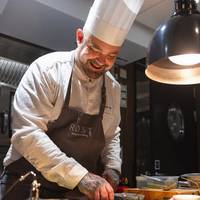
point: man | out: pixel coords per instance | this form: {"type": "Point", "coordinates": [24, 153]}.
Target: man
{"type": "Point", "coordinates": [66, 114]}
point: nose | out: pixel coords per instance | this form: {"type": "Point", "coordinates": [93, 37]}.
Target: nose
{"type": "Point", "coordinates": [102, 59]}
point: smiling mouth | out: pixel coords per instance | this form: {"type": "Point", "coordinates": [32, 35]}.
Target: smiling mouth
{"type": "Point", "coordinates": [97, 67]}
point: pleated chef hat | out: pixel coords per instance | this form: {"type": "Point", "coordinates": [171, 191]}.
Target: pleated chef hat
{"type": "Point", "coordinates": [110, 20]}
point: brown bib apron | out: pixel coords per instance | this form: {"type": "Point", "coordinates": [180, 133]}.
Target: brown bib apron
{"type": "Point", "coordinates": [77, 134]}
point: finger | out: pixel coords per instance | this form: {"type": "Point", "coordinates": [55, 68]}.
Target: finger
{"type": "Point", "coordinates": [110, 192]}
{"type": "Point", "coordinates": [97, 195]}
{"type": "Point", "coordinates": [111, 195]}
{"type": "Point", "coordinates": [104, 193]}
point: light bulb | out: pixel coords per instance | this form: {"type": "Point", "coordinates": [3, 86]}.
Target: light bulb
{"type": "Point", "coordinates": [185, 59]}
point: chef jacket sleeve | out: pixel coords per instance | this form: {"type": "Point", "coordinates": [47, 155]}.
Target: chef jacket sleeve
{"type": "Point", "coordinates": [32, 109]}
{"type": "Point", "coordinates": [111, 153]}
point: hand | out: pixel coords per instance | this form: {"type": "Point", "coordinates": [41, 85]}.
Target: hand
{"type": "Point", "coordinates": [96, 187]}
{"type": "Point", "coordinates": [112, 176]}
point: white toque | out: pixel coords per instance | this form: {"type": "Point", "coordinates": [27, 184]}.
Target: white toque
{"type": "Point", "coordinates": [110, 20]}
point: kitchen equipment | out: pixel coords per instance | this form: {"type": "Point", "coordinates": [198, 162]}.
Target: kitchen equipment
{"type": "Point", "coordinates": [128, 196]}
{"type": "Point", "coordinates": [160, 182]}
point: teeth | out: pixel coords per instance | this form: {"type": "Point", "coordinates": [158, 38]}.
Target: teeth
{"type": "Point", "coordinates": [98, 63]}
{"type": "Point", "coordinates": [95, 65]}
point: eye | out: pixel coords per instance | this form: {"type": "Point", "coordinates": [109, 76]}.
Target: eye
{"type": "Point", "coordinates": [94, 49]}
{"type": "Point", "coordinates": [111, 57]}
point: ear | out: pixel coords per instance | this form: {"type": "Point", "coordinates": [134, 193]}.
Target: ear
{"type": "Point", "coordinates": [79, 36]}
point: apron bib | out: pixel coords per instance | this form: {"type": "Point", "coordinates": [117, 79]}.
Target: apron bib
{"type": "Point", "coordinates": [78, 135]}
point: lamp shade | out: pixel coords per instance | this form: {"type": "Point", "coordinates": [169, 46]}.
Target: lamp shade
{"type": "Point", "coordinates": [180, 35]}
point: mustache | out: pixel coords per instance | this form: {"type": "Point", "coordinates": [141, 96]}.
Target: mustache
{"type": "Point", "coordinates": [98, 63]}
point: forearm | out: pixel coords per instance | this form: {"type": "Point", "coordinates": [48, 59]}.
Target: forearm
{"type": "Point", "coordinates": [47, 158]}
{"type": "Point", "coordinates": [111, 153]}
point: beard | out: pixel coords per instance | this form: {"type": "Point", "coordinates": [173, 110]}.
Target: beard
{"type": "Point", "coordinates": [92, 67]}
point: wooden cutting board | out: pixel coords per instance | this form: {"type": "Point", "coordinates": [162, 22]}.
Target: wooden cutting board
{"type": "Point", "coordinates": [159, 194]}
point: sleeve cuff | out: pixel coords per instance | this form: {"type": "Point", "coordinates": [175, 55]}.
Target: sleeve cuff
{"type": "Point", "coordinates": [65, 177]}
{"type": "Point", "coordinates": [114, 165]}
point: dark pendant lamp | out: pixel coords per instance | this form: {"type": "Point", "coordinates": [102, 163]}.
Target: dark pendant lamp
{"type": "Point", "coordinates": [174, 52]}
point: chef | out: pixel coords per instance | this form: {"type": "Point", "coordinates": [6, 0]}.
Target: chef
{"type": "Point", "coordinates": [66, 113]}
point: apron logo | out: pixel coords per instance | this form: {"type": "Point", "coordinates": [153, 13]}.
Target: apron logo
{"type": "Point", "coordinates": [81, 131]}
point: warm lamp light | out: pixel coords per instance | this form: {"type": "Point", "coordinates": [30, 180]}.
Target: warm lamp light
{"type": "Point", "coordinates": [174, 52]}
{"type": "Point", "coordinates": [185, 59]}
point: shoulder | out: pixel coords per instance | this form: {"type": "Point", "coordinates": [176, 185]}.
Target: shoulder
{"type": "Point", "coordinates": [54, 58]}
{"type": "Point", "coordinates": [113, 83]}
{"type": "Point", "coordinates": [53, 65]}
{"type": "Point", "coordinates": [52, 69]}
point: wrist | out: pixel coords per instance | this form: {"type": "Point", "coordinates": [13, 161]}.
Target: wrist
{"type": "Point", "coordinates": [115, 170]}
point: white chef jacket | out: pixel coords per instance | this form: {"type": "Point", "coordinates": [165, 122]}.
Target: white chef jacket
{"type": "Point", "coordinates": [39, 99]}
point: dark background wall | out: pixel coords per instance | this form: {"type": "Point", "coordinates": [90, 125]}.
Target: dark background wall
{"type": "Point", "coordinates": [150, 146]}
{"type": "Point", "coordinates": [5, 93]}
{"type": "Point", "coordinates": [174, 140]}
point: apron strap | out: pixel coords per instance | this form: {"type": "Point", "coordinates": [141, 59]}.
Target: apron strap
{"type": "Point", "coordinates": [68, 91]}
{"type": "Point", "coordinates": [103, 97]}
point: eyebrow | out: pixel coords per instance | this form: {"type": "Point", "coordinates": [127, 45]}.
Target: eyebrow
{"type": "Point", "coordinates": [98, 48]}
